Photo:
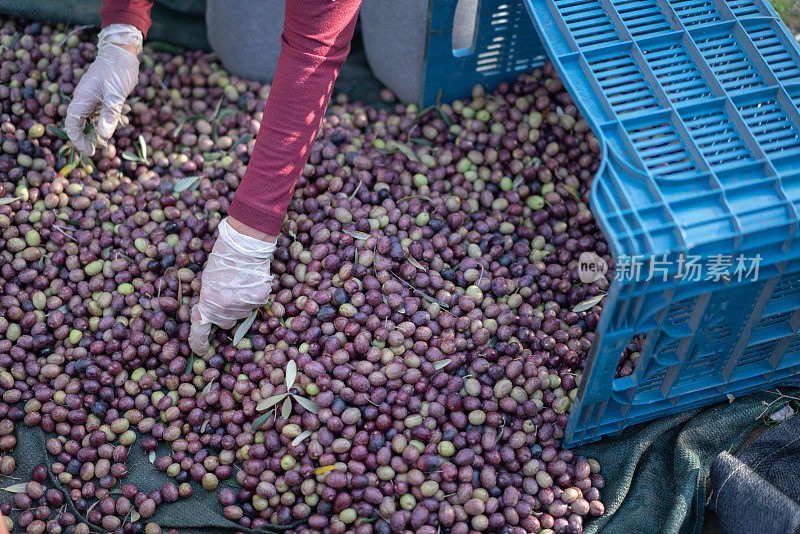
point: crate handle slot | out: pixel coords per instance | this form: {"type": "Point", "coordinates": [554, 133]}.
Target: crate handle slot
{"type": "Point", "coordinates": [465, 27]}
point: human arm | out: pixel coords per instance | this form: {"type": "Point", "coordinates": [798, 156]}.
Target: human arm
{"type": "Point", "coordinates": [112, 75]}
{"type": "Point", "coordinates": [315, 43]}
{"type": "Point", "coordinates": [133, 12]}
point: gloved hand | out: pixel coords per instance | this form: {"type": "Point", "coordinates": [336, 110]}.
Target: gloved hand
{"type": "Point", "coordinates": [107, 83]}
{"type": "Point", "coordinates": [236, 280]}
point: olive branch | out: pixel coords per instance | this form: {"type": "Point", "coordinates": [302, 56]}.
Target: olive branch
{"type": "Point", "coordinates": [271, 403]}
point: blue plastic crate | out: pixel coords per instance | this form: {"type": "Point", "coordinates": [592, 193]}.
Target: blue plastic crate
{"type": "Point", "coordinates": [504, 45]}
{"type": "Point", "coordinates": [696, 105]}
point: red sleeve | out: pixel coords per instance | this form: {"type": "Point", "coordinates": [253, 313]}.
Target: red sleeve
{"type": "Point", "coordinates": [315, 42]}
{"type": "Point", "coordinates": [135, 12]}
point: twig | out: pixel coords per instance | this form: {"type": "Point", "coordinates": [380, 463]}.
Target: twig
{"type": "Point", "coordinates": [782, 395]}
{"type": "Point", "coordinates": [411, 131]}
{"type": "Point", "coordinates": [75, 30]}
{"type": "Point", "coordinates": [65, 233]}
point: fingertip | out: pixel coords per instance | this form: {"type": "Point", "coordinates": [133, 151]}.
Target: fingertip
{"type": "Point", "coordinates": [106, 123]}
{"type": "Point", "coordinates": [198, 339]}
{"type": "Point", "coordinates": [200, 348]}
{"type": "Point", "coordinates": [200, 328]}
{"type": "Point", "coordinates": [73, 124]}
{"type": "Point", "coordinates": [84, 145]}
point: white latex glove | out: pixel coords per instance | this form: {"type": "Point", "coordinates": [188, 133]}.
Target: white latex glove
{"type": "Point", "coordinates": [106, 84]}
{"type": "Point", "coordinates": [236, 280]}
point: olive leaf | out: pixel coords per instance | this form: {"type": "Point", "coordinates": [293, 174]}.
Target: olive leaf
{"type": "Point", "coordinates": [416, 264]}
{"type": "Point", "coordinates": [445, 117]}
{"type": "Point", "coordinates": [308, 404]}
{"type": "Point", "coordinates": [86, 164]}
{"type": "Point", "coordinates": [422, 141]}
{"type": "Point", "coordinates": [132, 157]}
{"type": "Point", "coordinates": [214, 156]}
{"type": "Point", "coordinates": [182, 123]}
{"type": "Point", "coordinates": [410, 197]}
{"type": "Point", "coordinates": [244, 328]}
{"type": "Point", "coordinates": [218, 116]}
{"type": "Point", "coordinates": [95, 503]}
{"type": "Point", "coordinates": [324, 469]}
{"type": "Point", "coordinates": [225, 112]}
{"type": "Point", "coordinates": [431, 299]}
{"type": "Point", "coordinates": [421, 293]}
{"type": "Point", "coordinates": [286, 409]}
{"type": "Point", "coordinates": [189, 365]}
{"type": "Point", "coordinates": [351, 197]}
{"type": "Point", "coordinates": [259, 422]}
{"type": "Point", "coordinates": [302, 436]}
{"type": "Point", "coordinates": [16, 488]}
{"type": "Point", "coordinates": [355, 234]}
{"type": "Point", "coordinates": [190, 183]}
{"type": "Point", "coordinates": [291, 374]}
{"type": "Point", "coordinates": [573, 192]}
{"type": "Point", "coordinates": [152, 457]}
{"type": "Point", "coordinates": [207, 389]}
{"type": "Point", "coordinates": [204, 425]}
{"type": "Point", "coordinates": [232, 482]}
{"type": "Point", "coordinates": [135, 516]}
{"type": "Point", "coordinates": [142, 148]}
{"type": "Point", "coordinates": [589, 303]}
{"type": "Point", "coordinates": [397, 146]}
{"type": "Point", "coordinates": [66, 169]}
{"type": "Point", "coordinates": [217, 108]}
{"type": "Point", "coordinates": [780, 415]}
{"type": "Point", "coordinates": [9, 200]}
{"type": "Point", "coordinates": [242, 140]}
{"type": "Point", "coordinates": [401, 309]}
{"type": "Point", "coordinates": [268, 403]}
{"type": "Point", "coordinates": [421, 113]}
{"type": "Point", "coordinates": [441, 364]}
{"type": "Point", "coordinates": [58, 132]}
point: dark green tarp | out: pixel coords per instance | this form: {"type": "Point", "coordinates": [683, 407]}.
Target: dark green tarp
{"type": "Point", "coordinates": [656, 473]}
{"type": "Point", "coordinates": [199, 513]}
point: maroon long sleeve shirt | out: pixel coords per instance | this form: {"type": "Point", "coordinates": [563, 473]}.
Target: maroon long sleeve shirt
{"type": "Point", "coordinates": [315, 42]}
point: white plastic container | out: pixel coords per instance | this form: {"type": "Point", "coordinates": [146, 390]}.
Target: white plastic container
{"type": "Point", "coordinates": [246, 35]}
